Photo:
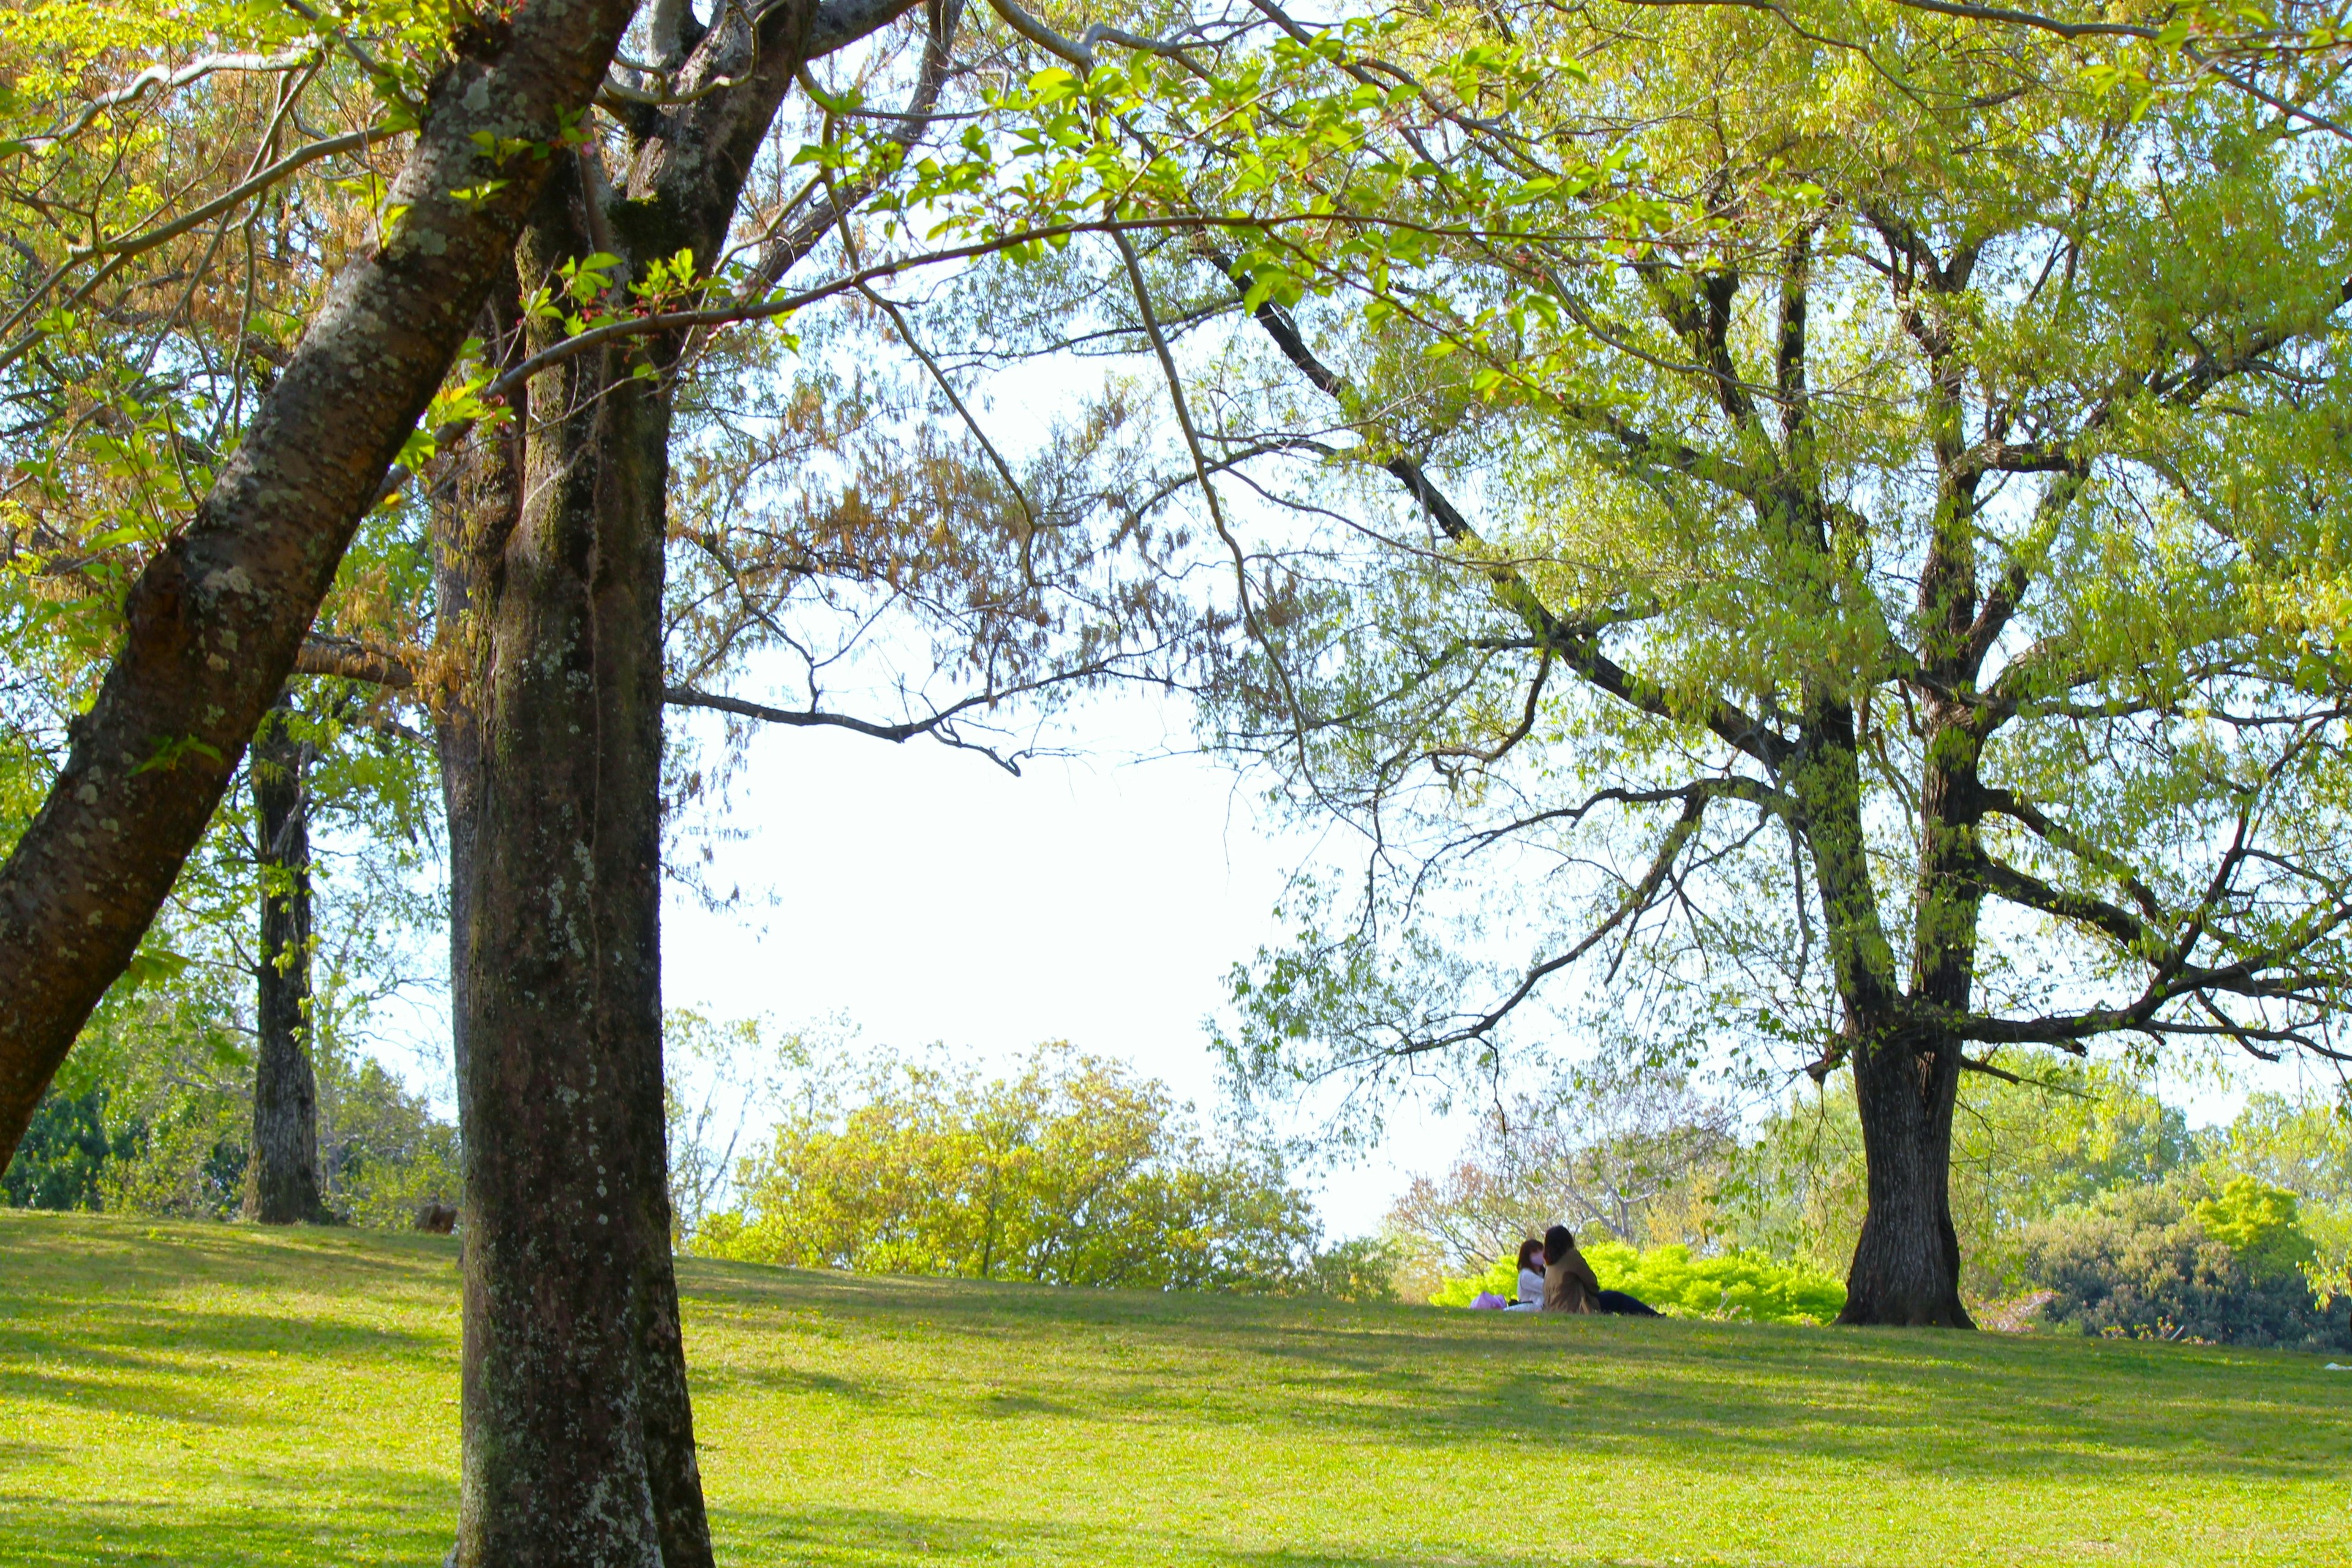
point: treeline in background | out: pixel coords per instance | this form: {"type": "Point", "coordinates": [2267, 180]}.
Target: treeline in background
{"type": "Point", "coordinates": [2086, 1204]}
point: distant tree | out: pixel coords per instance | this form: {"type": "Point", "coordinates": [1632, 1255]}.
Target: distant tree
{"type": "Point", "coordinates": [1073, 1173]}
{"type": "Point", "coordinates": [382, 1148]}
{"type": "Point", "coordinates": [282, 1183]}
{"type": "Point", "coordinates": [716, 1074]}
{"type": "Point", "coordinates": [2302, 1144]}
{"type": "Point", "coordinates": [1889, 607]}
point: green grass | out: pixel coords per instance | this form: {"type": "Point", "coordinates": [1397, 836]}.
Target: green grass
{"type": "Point", "coordinates": [208, 1394]}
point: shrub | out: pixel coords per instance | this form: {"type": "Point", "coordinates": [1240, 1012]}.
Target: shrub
{"type": "Point", "coordinates": [1075, 1173]}
{"type": "Point", "coordinates": [1502, 1279]}
{"type": "Point", "coordinates": [2147, 1265]}
{"type": "Point", "coordinates": [1728, 1285]}
{"type": "Point", "coordinates": [381, 1152]}
{"type": "Point", "coordinates": [1746, 1286]}
{"type": "Point", "coordinates": [188, 1161]}
{"type": "Point", "coordinates": [64, 1151]}
{"type": "Point", "coordinates": [2259, 1223]}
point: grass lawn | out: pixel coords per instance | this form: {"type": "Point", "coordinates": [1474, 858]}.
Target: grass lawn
{"type": "Point", "coordinates": [209, 1395]}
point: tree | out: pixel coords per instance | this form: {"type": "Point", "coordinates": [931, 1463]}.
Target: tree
{"type": "Point", "coordinates": [1889, 632]}
{"type": "Point", "coordinates": [552, 538]}
{"type": "Point", "coordinates": [282, 1182]}
{"type": "Point", "coordinates": [1073, 1171]}
{"type": "Point", "coordinates": [216, 617]}
{"type": "Point", "coordinates": [1636, 1152]}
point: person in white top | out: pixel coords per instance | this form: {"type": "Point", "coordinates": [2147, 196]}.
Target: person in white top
{"type": "Point", "coordinates": [1531, 1279]}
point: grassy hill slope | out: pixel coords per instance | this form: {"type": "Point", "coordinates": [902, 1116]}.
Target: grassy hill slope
{"type": "Point", "coordinates": [208, 1394]}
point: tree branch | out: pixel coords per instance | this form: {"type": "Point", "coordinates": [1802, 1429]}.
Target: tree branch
{"type": "Point", "coordinates": [1575, 643]}
{"type": "Point", "coordinates": [217, 617]}
{"type": "Point", "coordinates": [348, 659]}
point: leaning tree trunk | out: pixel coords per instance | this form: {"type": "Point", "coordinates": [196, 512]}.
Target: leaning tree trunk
{"type": "Point", "coordinates": [213, 622]}
{"type": "Point", "coordinates": [579, 1445]}
{"type": "Point", "coordinates": [281, 1175]}
{"type": "Point", "coordinates": [1906, 1265]}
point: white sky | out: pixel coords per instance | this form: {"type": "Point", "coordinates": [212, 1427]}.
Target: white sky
{"type": "Point", "coordinates": [927, 895]}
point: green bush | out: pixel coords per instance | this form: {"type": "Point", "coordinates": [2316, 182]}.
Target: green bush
{"type": "Point", "coordinates": [1732, 1285]}
{"type": "Point", "coordinates": [1502, 1279]}
{"type": "Point", "coordinates": [2259, 1223]}
{"type": "Point", "coordinates": [381, 1152]}
{"type": "Point", "coordinates": [64, 1152]}
{"type": "Point", "coordinates": [2147, 1264]}
{"type": "Point", "coordinates": [1746, 1285]}
{"type": "Point", "coordinates": [1076, 1171]}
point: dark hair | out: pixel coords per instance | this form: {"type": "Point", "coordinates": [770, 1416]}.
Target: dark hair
{"type": "Point", "coordinates": [1556, 1243]}
{"type": "Point", "coordinates": [1529, 1249]}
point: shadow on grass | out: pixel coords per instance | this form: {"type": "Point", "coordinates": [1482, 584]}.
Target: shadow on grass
{"type": "Point", "coordinates": [81, 1258]}
{"type": "Point", "coordinates": [132, 1334]}
{"type": "Point", "coordinates": [1978, 1407]}
{"type": "Point", "coordinates": [145, 1361]}
{"type": "Point", "coordinates": [870, 1538]}
{"type": "Point", "coordinates": [379, 1516]}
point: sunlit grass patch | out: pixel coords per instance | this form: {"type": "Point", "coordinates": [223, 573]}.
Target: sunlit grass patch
{"type": "Point", "coordinates": [219, 1395]}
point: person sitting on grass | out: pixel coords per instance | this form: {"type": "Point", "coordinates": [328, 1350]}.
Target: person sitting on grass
{"type": "Point", "coordinates": [1568, 1282]}
{"type": "Point", "coordinates": [1570, 1285]}
{"type": "Point", "coordinates": [1531, 1279]}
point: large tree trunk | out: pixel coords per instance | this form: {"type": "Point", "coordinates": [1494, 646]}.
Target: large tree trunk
{"type": "Point", "coordinates": [579, 1445]}
{"type": "Point", "coordinates": [579, 1436]}
{"type": "Point", "coordinates": [1906, 1265]}
{"type": "Point", "coordinates": [1906, 1059]}
{"type": "Point", "coordinates": [213, 622]}
{"type": "Point", "coordinates": [281, 1175]}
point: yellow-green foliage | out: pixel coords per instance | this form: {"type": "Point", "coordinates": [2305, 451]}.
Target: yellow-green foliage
{"type": "Point", "coordinates": [2259, 1222]}
{"type": "Point", "coordinates": [1732, 1286]}
{"type": "Point", "coordinates": [1074, 1172]}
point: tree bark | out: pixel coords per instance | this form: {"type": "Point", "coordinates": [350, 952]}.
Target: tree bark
{"type": "Point", "coordinates": [1907, 1262]}
{"type": "Point", "coordinates": [214, 623]}
{"type": "Point", "coordinates": [281, 1175]}
{"type": "Point", "coordinates": [1906, 1265]}
{"type": "Point", "coordinates": [579, 1444]}
{"type": "Point", "coordinates": [550, 539]}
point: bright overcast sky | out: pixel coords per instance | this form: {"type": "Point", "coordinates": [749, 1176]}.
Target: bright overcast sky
{"type": "Point", "coordinates": [927, 895]}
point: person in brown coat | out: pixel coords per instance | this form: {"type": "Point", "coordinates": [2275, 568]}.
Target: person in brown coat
{"type": "Point", "coordinates": [1568, 1282]}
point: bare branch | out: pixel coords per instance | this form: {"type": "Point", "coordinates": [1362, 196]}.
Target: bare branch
{"type": "Point", "coordinates": [348, 659]}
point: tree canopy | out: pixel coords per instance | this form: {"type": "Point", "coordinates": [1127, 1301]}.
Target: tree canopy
{"type": "Point", "coordinates": [1883, 616]}
{"type": "Point", "coordinates": [1822, 522]}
